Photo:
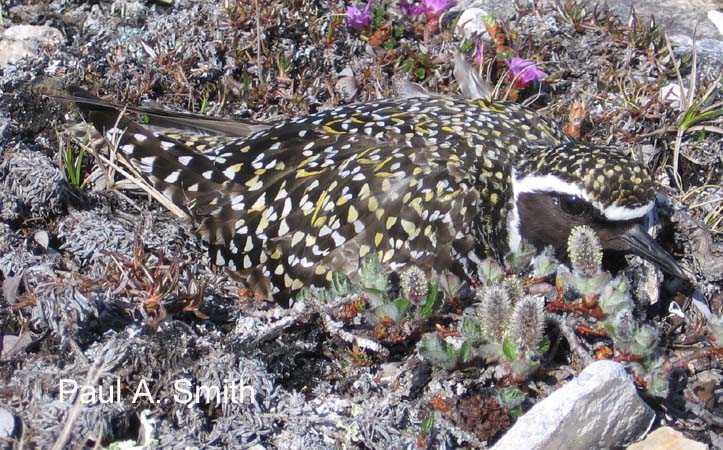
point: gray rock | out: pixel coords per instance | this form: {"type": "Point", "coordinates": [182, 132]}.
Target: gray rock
{"type": "Point", "coordinates": [21, 41]}
{"type": "Point", "coordinates": [600, 409]}
{"type": "Point", "coordinates": [708, 50]}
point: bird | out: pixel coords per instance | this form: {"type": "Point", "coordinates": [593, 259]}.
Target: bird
{"type": "Point", "coordinates": [438, 182]}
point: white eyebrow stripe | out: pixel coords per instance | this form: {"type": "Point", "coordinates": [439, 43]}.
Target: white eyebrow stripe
{"type": "Point", "coordinates": [552, 183]}
{"type": "Point", "coordinates": [545, 183]}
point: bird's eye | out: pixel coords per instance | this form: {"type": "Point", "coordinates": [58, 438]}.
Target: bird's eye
{"type": "Point", "coordinates": [573, 205]}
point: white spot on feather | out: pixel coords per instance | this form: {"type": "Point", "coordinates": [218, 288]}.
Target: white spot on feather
{"type": "Point", "coordinates": [172, 177]}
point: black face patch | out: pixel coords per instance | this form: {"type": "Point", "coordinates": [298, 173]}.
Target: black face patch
{"type": "Point", "coordinates": [546, 218]}
{"type": "Point", "coordinates": [543, 222]}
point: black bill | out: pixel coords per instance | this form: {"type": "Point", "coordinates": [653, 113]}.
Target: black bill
{"type": "Point", "coordinates": [642, 244]}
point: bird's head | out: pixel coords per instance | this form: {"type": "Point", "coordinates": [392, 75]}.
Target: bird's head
{"type": "Point", "coordinates": [557, 189]}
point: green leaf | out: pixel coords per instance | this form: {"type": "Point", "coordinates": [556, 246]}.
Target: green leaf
{"type": "Point", "coordinates": [402, 306]}
{"type": "Point", "coordinates": [452, 354]}
{"type": "Point", "coordinates": [378, 20]}
{"type": "Point", "coordinates": [509, 349]}
{"type": "Point", "coordinates": [427, 425]}
{"type": "Point", "coordinates": [436, 351]}
{"type": "Point", "coordinates": [73, 165]}
{"type": "Point", "coordinates": [521, 259]}
{"type": "Point", "coordinates": [472, 328]}
{"type": "Point", "coordinates": [645, 339]}
{"type": "Point", "coordinates": [615, 296]}
{"type": "Point", "coordinates": [510, 397]}
{"type": "Point", "coordinates": [593, 284]}
{"type": "Point", "coordinates": [658, 378]}
{"type": "Point", "coordinates": [390, 310]}
{"type": "Point", "coordinates": [420, 73]}
{"type": "Point", "coordinates": [428, 306]}
{"type": "Point", "coordinates": [544, 345]}
{"type": "Point", "coordinates": [507, 54]}
{"type": "Point", "coordinates": [694, 116]}
{"type": "Point", "coordinates": [516, 412]}
{"type": "Point", "coordinates": [388, 44]}
{"type": "Point", "coordinates": [467, 47]}
{"type": "Point", "coordinates": [545, 263]}
{"type": "Point", "coordinates": [303, 295]}
{"type": "Point", "coordinates": [372, 274]}
{"type": "Point", "coordinates": [465, 352]}
{"type": "Point", "coordinates": [490, 271]}
{"type": "Point", "coordinates": [340, 284]}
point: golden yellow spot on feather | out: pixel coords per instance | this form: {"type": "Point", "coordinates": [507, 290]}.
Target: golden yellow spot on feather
{"type": "Point", "coordinates": [388, 255]}
{"type": "Point", "coordinates": [296, 238]}
{"type": "Point", "coordinates": [320, 221]}
{"type": "Point", "coordinates": [410, 228]}
{"type": "Point", "coordinates": [352, 214]}
{"type": "Point", "coordinates": [319, 204]}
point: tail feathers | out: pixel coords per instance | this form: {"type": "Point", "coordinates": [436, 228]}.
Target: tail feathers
{"type": "Point", "coordinates": [189, 179]}
{"type": "Point", "coordinates": [172, 120]}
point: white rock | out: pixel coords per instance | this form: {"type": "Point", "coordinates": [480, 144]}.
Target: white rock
{"type": "Point", "coordinates": [671, 93]}
{"type": "Point", "coordinates": [471, 23]}
{"type": "Point", "coordinates": [666, 438]}
{"type": "Point", "coordinates": [347, 87]}
{"type": "Point", "coordinates": [20, 41]}
{"type": "Point", "coordinates": [717, 18]}
{"type": "Point", "coordinates": [42, 238]}
{"type": "Point", "coordinates": [600, 409]}
{"type": "Point", "coordinates": [7, 423]}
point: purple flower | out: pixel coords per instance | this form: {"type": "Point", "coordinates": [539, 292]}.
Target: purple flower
{"type": "Point", "coordinates": [410, 9]}
{"type": "Point", "coordinates": [434, 9]}
{"type": "Point", "coordinates": [479, 52]}
{"type": "Point", "coordinates": [357, 19]}
{"type": "Point", "coordinates": [524, 71]}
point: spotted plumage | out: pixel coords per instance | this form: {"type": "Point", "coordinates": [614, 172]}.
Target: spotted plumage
{"type": "Point", "coordinates": [427, 181]}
